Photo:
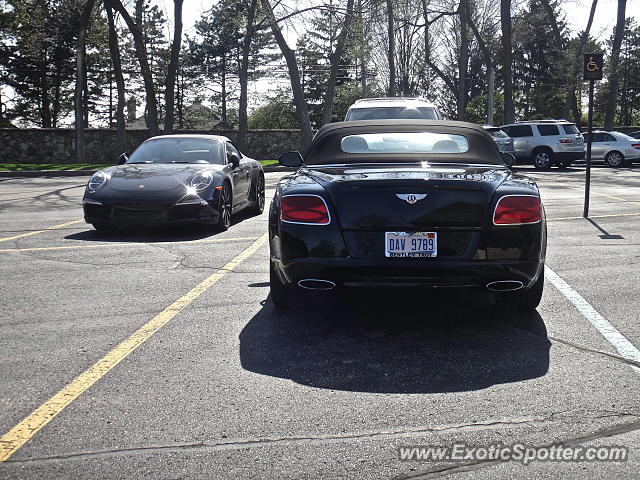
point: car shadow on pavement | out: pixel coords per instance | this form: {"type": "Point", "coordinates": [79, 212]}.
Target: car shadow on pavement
{"type": "Point", "coordinates": [156, 233]}
{"type": "Point", "coordinates": [396, 343]}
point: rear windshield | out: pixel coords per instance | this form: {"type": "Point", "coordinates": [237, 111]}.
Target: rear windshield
{"type": "Point", "coordinates": [570, 129]}
{"type": "Point", "coordinates": [497, 133]}
{"type": "Point", "coordinates": [178, 150]}
{"type": "Point", "coordinates": [378, 113]}
{"type": "Point", "coordinates": [626, 137]}
{"type": "Point", "coordinates": [412, 142]}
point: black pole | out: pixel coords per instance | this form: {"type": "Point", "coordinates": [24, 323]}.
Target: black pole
{"type": "Point", "coordinates": [587, 185]}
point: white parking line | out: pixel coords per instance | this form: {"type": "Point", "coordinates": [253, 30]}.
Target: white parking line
{"type": "Point", "coordinates": [608, 331]}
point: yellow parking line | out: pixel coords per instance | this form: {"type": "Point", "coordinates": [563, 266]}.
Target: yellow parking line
{"type": "Point", "coordinates": [590, 216]}
{"type": "Point", "coordinates": [22, 235]}
{"type": "Point", "coordinates": [11, 441]}
{"type": "Point", "coordinates": [124, 244]}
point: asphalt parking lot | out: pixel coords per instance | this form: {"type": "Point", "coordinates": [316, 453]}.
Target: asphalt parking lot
{"type": "Point", "coordinates": [158, 354]}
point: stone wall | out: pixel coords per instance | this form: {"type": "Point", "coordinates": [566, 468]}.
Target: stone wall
{"type": "Point", "coordinates": [40, 145]}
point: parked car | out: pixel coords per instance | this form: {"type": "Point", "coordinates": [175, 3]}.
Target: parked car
{"type": "Point", "coordinates": [546, 142]}
{"type": "Point", "coordinates": [175, 179]}
{"type": "Point", "coordinates": [392, 107]}
{"type": "Point", "coordinates": [504, 141]}
{"type": "Point", "coordinates": [409, 205]}
{"type": "Point", "coordinates": [614, 148]}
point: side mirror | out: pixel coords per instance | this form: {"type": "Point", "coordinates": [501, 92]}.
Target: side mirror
{"type": "Point", "coordinates": [508, 159]}
{"type": "Point", "coordinates": [122, 159]}
{"type": "Point", "coordinates": [233, 160]}
{"type": "Point", "coordinates": [290, 159]}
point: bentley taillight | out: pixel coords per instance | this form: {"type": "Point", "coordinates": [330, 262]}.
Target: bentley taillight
{"type": "Point", "coordinates": [306, 209]}
{"type": "Point", "coordinates": [517, 210]}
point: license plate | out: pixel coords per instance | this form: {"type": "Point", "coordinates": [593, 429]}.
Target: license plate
{"type": "Point", "coordinates": [404, 244]}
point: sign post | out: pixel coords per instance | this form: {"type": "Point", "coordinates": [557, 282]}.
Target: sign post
{"type": "Point", "coordinates": [592, 71]}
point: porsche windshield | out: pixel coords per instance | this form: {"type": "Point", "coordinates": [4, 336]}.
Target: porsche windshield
{"type": "Point", "coordinates": [178, 150]}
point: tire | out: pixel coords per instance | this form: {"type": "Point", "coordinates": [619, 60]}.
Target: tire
{"type": "Point", "coordinates": [258, 196]}
{"type": "Point", "coordinates": [524, 300]}
{"type": "Point", "coordinates": [542, 158]}
{"type": "Point", "coordinates": [104, 227]}
{"type": "Point", "coordinates": [614, 159]}
{"type": "Point", "coordinates": [225, 206]}
{"type": "Point", "coordinates": [281, 294]}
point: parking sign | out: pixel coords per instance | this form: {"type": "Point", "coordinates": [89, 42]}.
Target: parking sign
{"type": "Point", "coordinates": [593, 63]}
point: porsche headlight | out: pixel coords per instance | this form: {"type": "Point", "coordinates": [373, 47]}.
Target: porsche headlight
{"type": "Point", "coordinates": [201, 181]}
{"type": "Point", "coordinates": [96, 181]}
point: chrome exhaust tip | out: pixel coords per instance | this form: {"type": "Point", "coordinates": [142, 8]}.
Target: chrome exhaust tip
{"type": "Point", "coordinates": [505, 285]}
{"type": "Point", "coordinates": [316, 284]}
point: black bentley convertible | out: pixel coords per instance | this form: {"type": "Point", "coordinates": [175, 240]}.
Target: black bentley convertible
{"type": "Point", "coordinates": [174, 179]}
{"type": "Point", "coordinates": [406, 204]}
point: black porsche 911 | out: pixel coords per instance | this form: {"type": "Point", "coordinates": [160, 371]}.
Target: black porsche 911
{"type": "Point", "coordinates": [173, 179]}
{"type": "Point", "coordinates": [406, 204]}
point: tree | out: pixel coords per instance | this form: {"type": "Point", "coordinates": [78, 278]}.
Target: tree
{"type": "Point", "coordinates": [613, 76]}
{"type": "Point", "coordinates": [391, 49]}
{"type": "Point", "coordinates": [505, 22]}
{"type": "Point", "coordinates": [335, 59]}
{"type": "Point", "coordinates": [137, 31]}
{"type": "Point", "coordinates": [572, 85]}
{"type": "Point", "coordinates": [278, 113]}
{"type": "Point", "coordinates": [294, 75]}
{"type": "Point", "coordinates": [243, 120]}
{"type": "Point", "coordinates": [170, 82]}
{"type": "Point", "coordinates": [81, 78]}
{"type": "Point", "coordinates": [114, 50]}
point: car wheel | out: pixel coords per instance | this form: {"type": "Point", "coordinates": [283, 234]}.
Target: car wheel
{"type": "Point", "coordinates": [281, 294]}
{"type": "Point", "coordinates": [614, 159]}
{"type": "Point", "coordinates": [523, 300]}
{"type": "Point", "coordinates": [542, 159]}
{"type": "Point", "coordinates": [224, 208]}
{"type": "Point", "coordinates": [258, 195]}
{"type": "Point", "coordinates": [104, 227]}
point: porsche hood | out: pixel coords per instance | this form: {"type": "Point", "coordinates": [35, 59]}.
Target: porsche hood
{"type": "Point", "coordinates": [154, 177]}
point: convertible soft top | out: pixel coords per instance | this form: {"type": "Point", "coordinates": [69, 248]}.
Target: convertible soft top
{"type": "Point", "coordinates": [326, 145]}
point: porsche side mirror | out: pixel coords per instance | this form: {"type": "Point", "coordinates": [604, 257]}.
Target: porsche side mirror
{"type": "Point", "coordinates": [508, 159]}
{"type": "Point", "coordinates": [233, 160]}
{"type": "Point", "coordinates": [290, 159]}
{"type": "Point", "coordinates": [122, 159]}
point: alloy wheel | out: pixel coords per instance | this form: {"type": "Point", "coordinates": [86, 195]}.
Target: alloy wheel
{"type": "Point", "coordinates": [225, 207]}
{"type": "Point", "coordinates": [542, 159]}
{"type": "Point", "coordinates": [615, 159]}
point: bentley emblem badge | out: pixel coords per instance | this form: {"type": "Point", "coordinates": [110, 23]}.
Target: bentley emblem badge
{"type": "Point", "coordinates": [140, 186]}
{"type": "Point", "coordinates": [411, 198]}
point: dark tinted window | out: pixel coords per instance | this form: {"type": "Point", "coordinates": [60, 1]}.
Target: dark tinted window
{"type": "Point", "coordinates": [570, 129]}
{"type": "Point", "coordinates": [518, 131]}
{"type": "Point", "coordinates": [548, 130]}
{"type": "Point", "coordinates": [608, 138]}
{"type": "Point", "coordinates": [378, 113]}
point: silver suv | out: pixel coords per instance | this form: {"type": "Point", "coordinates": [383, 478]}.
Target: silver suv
{"type": "Point", "coordinates": [392, 107]}
{"type": "Point", "coordinates": [546, 142]}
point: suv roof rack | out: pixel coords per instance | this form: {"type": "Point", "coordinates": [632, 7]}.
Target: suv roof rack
{"type": "Point", "coordinates": [386, 99]}
{"type": "Point", "coordinates": [549, 120]}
